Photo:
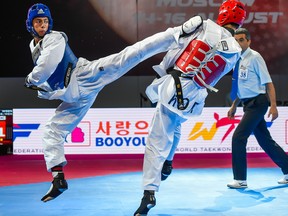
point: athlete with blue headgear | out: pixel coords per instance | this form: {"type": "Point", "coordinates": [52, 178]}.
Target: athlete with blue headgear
{"type": "Point", "coordinates": [59, 74]}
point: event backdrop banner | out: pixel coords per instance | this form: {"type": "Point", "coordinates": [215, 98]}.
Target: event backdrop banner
{"type": "Point", "coordinates": [97, 28]}
{"type": "Point", "coordinates": [265, 20]}
{"type": "Point", "coordinates": [125, 130]}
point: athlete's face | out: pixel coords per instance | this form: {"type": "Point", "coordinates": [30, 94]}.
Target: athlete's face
{"type": "Point", "coordinates": [41, 24]}
{"type": "Point", "coordinates": [243, 41]}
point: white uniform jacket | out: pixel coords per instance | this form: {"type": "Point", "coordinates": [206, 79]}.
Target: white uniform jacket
{"type": "Point", "coordinates": [163, 89]}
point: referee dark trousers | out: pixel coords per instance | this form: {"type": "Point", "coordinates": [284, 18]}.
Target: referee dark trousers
{"type": "Point", "coordinates": [253, 122]}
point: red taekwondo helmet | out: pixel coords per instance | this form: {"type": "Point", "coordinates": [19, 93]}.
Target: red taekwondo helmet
{"type": "Point", "coordinates": [231, 11]}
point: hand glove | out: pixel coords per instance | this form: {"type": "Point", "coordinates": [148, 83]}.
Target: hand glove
{"type": "Point", "coordinates": [31, 86]}
{"type": "Point", "coordinates": [27, 83]}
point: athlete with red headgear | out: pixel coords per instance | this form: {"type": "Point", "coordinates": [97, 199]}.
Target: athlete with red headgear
{"type": "Point", "coordinates": [186, 73]}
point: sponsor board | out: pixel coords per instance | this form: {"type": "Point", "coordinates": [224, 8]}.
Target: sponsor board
{"type": "Point", "coordinates": [125, 130]}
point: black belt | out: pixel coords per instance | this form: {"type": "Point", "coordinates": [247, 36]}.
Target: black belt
{"type": "Point", "coordinates": [179, 93]}
{"type": "Point", "coordinates": [68, 73]}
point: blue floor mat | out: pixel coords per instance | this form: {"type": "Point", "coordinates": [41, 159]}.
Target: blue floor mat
{"type": "Point", "coordinates": [187, 192]}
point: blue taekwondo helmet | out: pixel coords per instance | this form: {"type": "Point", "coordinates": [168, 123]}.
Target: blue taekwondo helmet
{"type": "Point", "coordinates": [38, 10]}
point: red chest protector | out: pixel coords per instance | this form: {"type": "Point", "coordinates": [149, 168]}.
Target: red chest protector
{"type": "Point", "coordinates": [196, 59]}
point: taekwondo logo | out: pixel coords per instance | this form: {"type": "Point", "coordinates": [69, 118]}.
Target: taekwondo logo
{"type": "Point", "coordinates": [208, 134]}
{"type": "Point", "coordinates": [23, 130]}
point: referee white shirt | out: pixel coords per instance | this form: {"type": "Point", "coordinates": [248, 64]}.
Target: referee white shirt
{"type": "Point", "coordinates": [253, 75]}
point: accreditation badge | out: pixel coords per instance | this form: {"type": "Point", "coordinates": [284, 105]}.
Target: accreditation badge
{"type": "Point", "coordinates": [243, 73]}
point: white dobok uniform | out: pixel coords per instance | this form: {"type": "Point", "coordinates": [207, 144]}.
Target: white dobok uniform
{"type": "Point", "coordinates": [83, 81]}
{"type": "Point", "coordinates": [165, 128]}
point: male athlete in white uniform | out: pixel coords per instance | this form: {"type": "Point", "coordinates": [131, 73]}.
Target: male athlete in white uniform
{"type": "Point", "coordinates": [200, 61]}
{"type": "Point", "coordinates": [59, 74]}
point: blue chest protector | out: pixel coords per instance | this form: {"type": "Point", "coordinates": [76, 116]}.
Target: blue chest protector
{"type": "Point", "coordinates": [61, 76]}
